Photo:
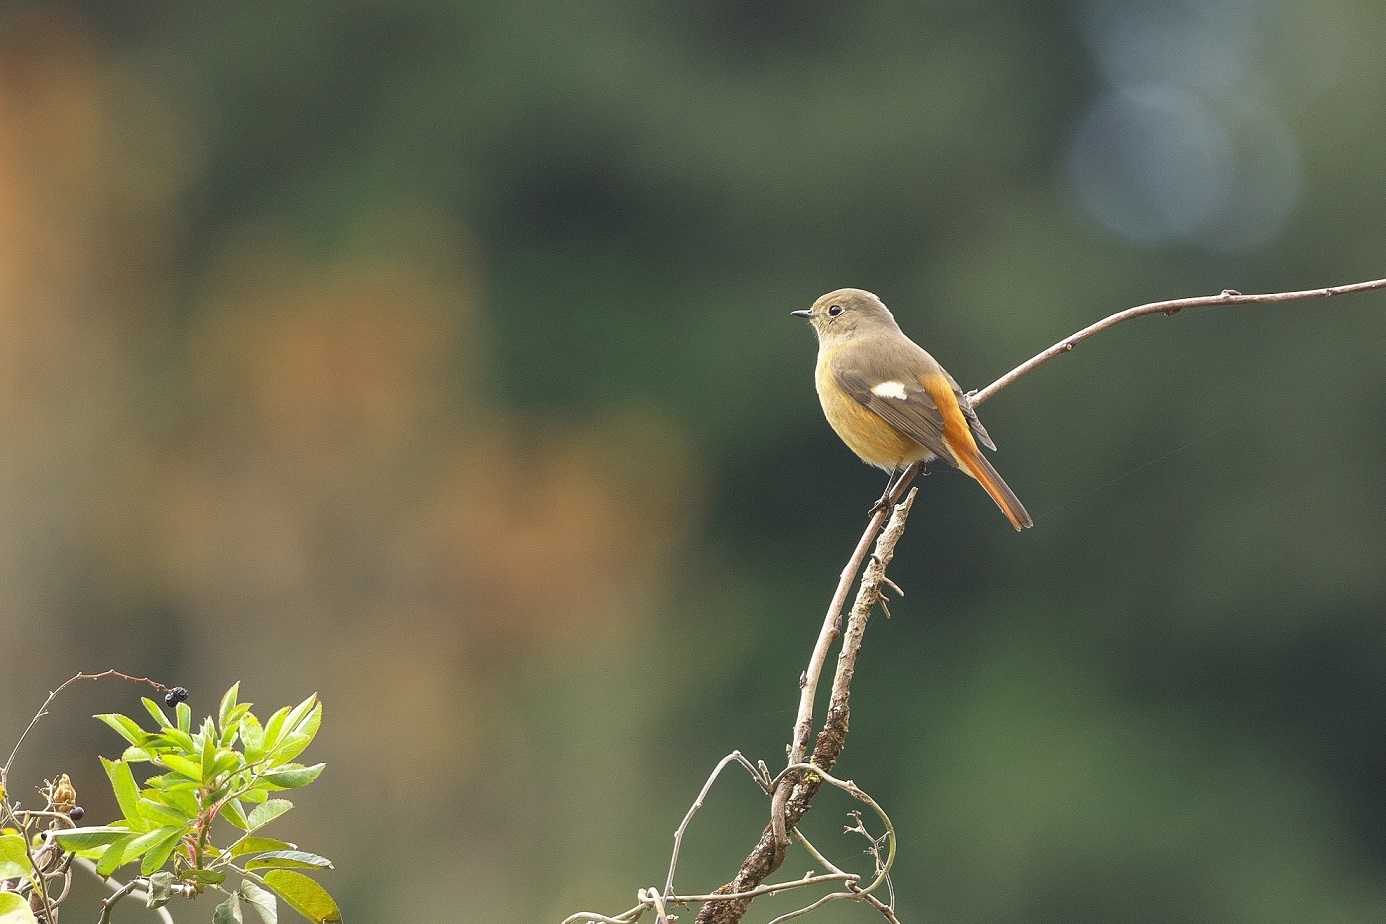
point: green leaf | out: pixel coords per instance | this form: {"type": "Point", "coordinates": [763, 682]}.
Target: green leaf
{"type": "Point", "coordinates": [209, 757]}
{"type": "Point", "coordinates": [288, 859]}
{"type": "Point", "coordinates": [229, 911]}
{"type": "Point", "coordinates": [127, 793]}
{"type": "Point", "coordinates": [159, 851]}
{"type": "Point", "coordinates": [228, 702]}
{"type": "Point", "coordinates": [181, 765]}
{"type": "Point", "coordinates": [258, 844]}
{"type": "Point", "coordinates": [181, 739]}
{"type": "Point", "coordinates": [143, 843]}
{"type": "Point", "coordinates": [262, 815]}
{"type": "Point", "coordinates": [135, 755]}
{"type": "Point", "coordinates": [124, 726]}
{"type": "Point", "coordinates": [292, 746]}
{"type": "Point", "coordinates": [205, 876]}
{"type": "Point", "coordinates": [304, 895]}
{"type": "Point", "coordinates": [114, 857]}
{"type": "Point", "coordinates": [14, 909]}
{"type": "Point", "coordinates": [153, 709]}
{"type": "Point", "coordinates": [253, 736]}
{"type": "Point", "coordinates": [294, 776]}
{"type": "Point", "coordinates": [181, 796]}
{"type": "Point", "coordinates": [235, 813]}
{"type": "Point", "coordinates": [262, 900]}
{"type": "Point", "coordinates": [14, 862]}
{"type": "Point", "coordinates": [227, 761]}
{"type": "Point", "coordinates": [257, 795]}
{"type": "Point", "coordinates": [162, 814]}
{"type": "Point", "coordinates": [83, 838]}
{"type": "Point", "coordinates": [184, 713]}
{"type": "Point", "coordinates": [275, 727]}
{"type": "Point", "coordinates": [300, 727]}
{"type": "Point", "coordinates": [305, 717]}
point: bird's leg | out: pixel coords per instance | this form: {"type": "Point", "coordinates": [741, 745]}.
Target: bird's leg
{"type": "Point", "coordinates": [883, 505]}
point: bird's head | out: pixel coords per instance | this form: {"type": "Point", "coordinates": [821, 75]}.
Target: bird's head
{"type": "Point", "coordinates": [844, 314]}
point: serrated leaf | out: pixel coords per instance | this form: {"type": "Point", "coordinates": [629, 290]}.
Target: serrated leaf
{"type": "Point", "coordinates": [114, 857]}
{"type": "Point", "coordinates": [293, 777]}
{"type": "Point", "coordinates": [159, 851]}
{"type": "Point", "coordinates": [227, 761]}
{"type": "Point", "coordinates": [262, 900]}
{"type": "Point", "coordinates": [124, 726]}
{"type": "Point", "coordinates": [84, 838]}
{"type": "Point", "coordinates": [205, 876]}
{"type": "Point", "coordinates": [14, 909]}
{"type": "Point", "coordinates": [291, 746]}
{"type": "Point", "coordinates": [181, 797]}
{"type": "Point", "coordinates": [181, 740]}
{"type": "Point", "coordinates": [127, 793]}
{"type": "Point", "coordinates": [14, 862]}
{"type": "Point", "coordinates": [153, 709]}
{"type": "Point", "coordinates": [256, 796]}
{"type": "Point", "coordinates": [209, 757]}
{"type": "Point", "coordinates": [228, 702]}
{"type": "Point", "coordinates": [182, 766]}
{"type": "Point", "coordinates": [288, 859]}
{"type": "Point", "coordinates": [234, 812]}
{"type": "Point", "coordinates": [253, 737]}
{"type": "Point", "coordinates": [275, 727]}
{"type": "Point", "coordinates": [263, 814]}
{"type": "Point", "coordinates": [147, 841]}
{"type": "Point", "coordinates": [162, 814]}
{"type": "Point", "coordinates": [229, 911]}
{"type": "Point", "coordinates": [305, 717]}
{"type": "Point", "coordinates": [184, 713]}
{"type": "Point", "coordinates": [259, 844]}
{"type": "Point", "coordinates": [135, 755]}
{"type": "Point", "coordinates": [304, 895]}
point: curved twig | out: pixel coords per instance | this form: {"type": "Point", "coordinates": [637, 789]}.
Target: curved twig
{"type": "Point", "coordinates": [734, 756]}
{"type": "Point", "coordinates": [1170, 307]}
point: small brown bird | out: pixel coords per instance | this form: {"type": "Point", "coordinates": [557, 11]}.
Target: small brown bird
{"type": "Point", "coordinates": [891, 402]}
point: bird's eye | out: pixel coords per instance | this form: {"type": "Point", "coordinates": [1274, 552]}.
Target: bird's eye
{"type": "Point", "coordinates": [835, 310]}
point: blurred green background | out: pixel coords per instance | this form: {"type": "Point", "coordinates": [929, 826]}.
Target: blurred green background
{"type": "Point", "coordinates": [437, 357]}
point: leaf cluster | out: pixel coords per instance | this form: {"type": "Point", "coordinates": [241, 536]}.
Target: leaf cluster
{"type": "Point", "coordinates": [231, 767]}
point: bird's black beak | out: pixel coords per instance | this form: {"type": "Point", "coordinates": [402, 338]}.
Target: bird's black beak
{"type": "Point", "coordinates": [802, 313]}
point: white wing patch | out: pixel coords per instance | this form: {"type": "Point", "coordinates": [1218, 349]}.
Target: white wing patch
{"type": "Point", "coordinates": [894, 390]}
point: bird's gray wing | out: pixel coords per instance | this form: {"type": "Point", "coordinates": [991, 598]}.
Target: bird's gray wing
{"type": "Point", "coordinates": [908, 407]}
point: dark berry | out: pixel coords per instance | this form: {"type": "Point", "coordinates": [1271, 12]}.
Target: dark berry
{"type": "Point", "coordinates": [175, 696]}
{"type": "Point", "coordinates": [76, 813]}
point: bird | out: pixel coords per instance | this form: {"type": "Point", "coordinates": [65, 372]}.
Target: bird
{"type": "Point", "coordinates": [891, 402]}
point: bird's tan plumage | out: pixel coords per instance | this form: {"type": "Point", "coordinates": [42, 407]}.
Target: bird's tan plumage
{"type": "Point", "coordinates": [891, 402]}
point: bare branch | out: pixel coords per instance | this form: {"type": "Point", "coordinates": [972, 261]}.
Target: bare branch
{"type": "Point", "coordinates": [43, 711]}
{"type": "Point", "coordinates": [134, 886]}
{"type": "Point", "coordinates": [796, 789]}
{"type": "Point", "coordinates": [1171, 308]}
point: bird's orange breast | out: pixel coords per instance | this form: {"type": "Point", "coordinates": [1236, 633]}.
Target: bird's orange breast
{"type": "Point", "coordinates": [865, 433]}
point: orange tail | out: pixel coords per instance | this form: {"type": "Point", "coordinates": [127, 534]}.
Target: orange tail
{"type": "Point", "coordinates": [972, 461]}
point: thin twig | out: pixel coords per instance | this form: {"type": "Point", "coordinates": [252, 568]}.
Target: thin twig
{"type": "Point", "coordinates": [856, 792]}
{"type": "Point", "coordinates": [43, 711]}
{"type": "Point", "coordinates": [697, 804]}
{"type": "Point", "coordinates": [133, 887]}
{"type": "Point", "coordinates": [1170, 307]}
{"type": "Point", "coordinates": [770, 888]}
